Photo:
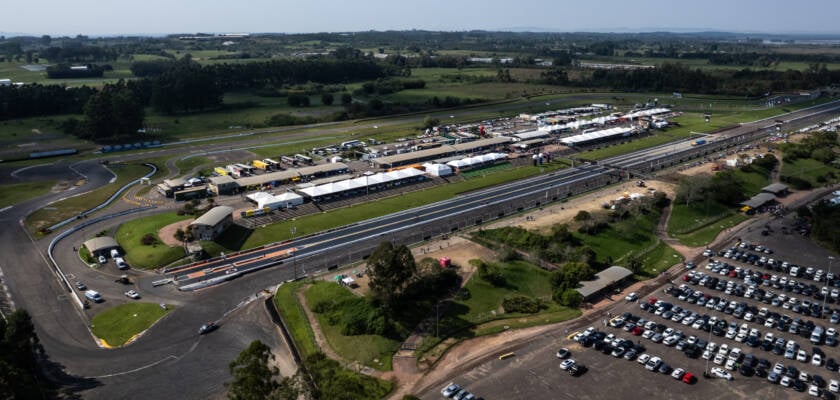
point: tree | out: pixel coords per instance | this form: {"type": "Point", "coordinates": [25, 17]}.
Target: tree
{"type": "Point", "coordinates": [19, 349]}
{"type": "Point", "coordinates": [346, 99]}
{"type": "Point", "coordinates": [327, 99]}
{"type": "Point", "coordinates": [390, 269]}
{"type": "Point", "coordinates": [571, 298]}
{"type": "Point", "coordinates": [253, 378]}
{"type": "Point", "coordinates": [113, 114]}
{"type": "Point", "coordinates": [180, 235]}
{"type": "Point", "coordinates": [429, 122]}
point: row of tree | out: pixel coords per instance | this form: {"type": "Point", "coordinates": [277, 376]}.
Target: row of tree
{"type": "Point", "coordinates": [20, 377]}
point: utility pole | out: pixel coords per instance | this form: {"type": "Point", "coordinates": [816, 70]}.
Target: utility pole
{"type": "Point", "coordinates": [293, 231]}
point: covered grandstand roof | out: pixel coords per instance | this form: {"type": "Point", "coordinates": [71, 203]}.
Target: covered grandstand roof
{"type": "Point", "coordinates": [440, 152]}
{"type": "Point", "coordinates": [597, 135]}
{"type": "Point", "coordinates": [288, 174]}
{"type": "Point", "coordinates": [531, 135]}
{"type": "Point", "coordinates": [361, 182]}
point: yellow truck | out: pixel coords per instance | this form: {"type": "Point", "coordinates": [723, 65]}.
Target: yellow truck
{"type": "Point", "coordinates": [221, 171]}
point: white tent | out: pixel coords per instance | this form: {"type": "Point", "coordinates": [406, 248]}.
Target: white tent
{"type": "Point", "coordinates": [361, 182]}
{"type": "Point", "coordinates": [437, 169]}
{"type": "Point", "coordinates": [284, 200]}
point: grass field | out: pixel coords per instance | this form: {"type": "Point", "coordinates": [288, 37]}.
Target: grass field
{"type": "Point", "coordinates": [330, 219]}
{"type": "Point", "coordinates": [624, 237]}
{"type": "Point", "coordinates": [687, 218]}
{"type": "Point", "coordinates": [705, 235]}
{"type": "Point", "coordinates": [118, 324]}
{"type": "Point", "coordinates": [295, 318]}
{"type": "Point", "coordinates": [362, 348]}
{"type": "Point", "coordinates": [17, 193]}
{"type": "Point", "coordinates": [138, 255]}
{"type": "Point", "coordinates": [809, 170]}
{"type": "Point", "coordinates": [69, 207]}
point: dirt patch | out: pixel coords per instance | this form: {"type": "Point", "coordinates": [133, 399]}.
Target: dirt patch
{"type": "Point", "coordinates": [167, 233]}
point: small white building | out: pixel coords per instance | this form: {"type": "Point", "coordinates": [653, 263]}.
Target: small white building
{"type": "Point", "coordinates": [5, 82]}
{"type": "Point", "coordinates": [435, 169]}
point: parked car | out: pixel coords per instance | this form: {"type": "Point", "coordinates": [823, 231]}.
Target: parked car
{"type": "Point", "coordinates": [81, 286]}
{"type": "Point", "coordinates": [450, 390]}
{"type": "Point", "coordinates": [721, 373]}
{"type": "Point", "coordinates": [102, 260]}
{"type": "Point", "coordinates": [563, 353]}
{"type": "Point", "coordinates": [632, 296]}
{"type": "Point", "coordinates": [566, 364]}
{"type": "Point", "coordinates": [132, 294]}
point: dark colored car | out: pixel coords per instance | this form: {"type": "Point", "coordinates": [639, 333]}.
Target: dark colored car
{"type": "Point", "coordinates": [207, 328]}
{"type": "Point", "coordinates": [577, 370]}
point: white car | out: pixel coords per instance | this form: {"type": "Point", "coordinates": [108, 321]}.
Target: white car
{"type": "Point", "coordinates": [814, 390]}
{"type": "Point", "coordinates": [132, 294]}
{"type": "Point", "coordinates": [653, 364]}
{"type": "Point", "coordinates": [643, 359]}
{"type": "Point", "coordinates": [719, 359]}
{"type": "Point", "coordinates": [721, 373]}
{"type": "Point", "coordinates": [566, 364]}
{"type": "Point", "coordinates": [834, 386]}
{"type": "Point", "coordinates": [730, 365]}
{"type": "Point", "coordinates": [678, 373]}
{"type": "Point", "coordinates": [816, 360]}
{"type": "Point", "coordinates": [450, 390]}
{"type": "Point", "coordinates": [632, 296]}
{"type": "Point", "coordinates": [802, 356]}
{"type": "Point", "coordinates": [102, 260]}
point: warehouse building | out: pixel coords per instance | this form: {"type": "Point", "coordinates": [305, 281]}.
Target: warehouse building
{"type": "Point", "coordinates": [445, 151]}
{"type": "Point", "coordinates": [212, 223]}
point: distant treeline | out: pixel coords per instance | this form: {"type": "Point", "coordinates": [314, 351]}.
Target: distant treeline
{"type": "Point", "coordinates": [36, 100]}
{"type": "Point", "coordinates": [677, 77]}
{"type": "Point", "coordinates": [79, 53]}
{"type": "Point", "coordinates": [65, 71]}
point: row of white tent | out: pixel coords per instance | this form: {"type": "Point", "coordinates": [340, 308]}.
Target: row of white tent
{"type": "Point", "coordinates": [604, 120]}
{"type": "Point", "coordinates": [476, 160]}
{"type": "Point", "coordinates": [597, 135]}
{"type": "Point", "coordinates": [360, 182]}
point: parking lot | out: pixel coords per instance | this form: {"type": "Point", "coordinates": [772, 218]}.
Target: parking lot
{"type": "Point", "coordinates": [751, 310]}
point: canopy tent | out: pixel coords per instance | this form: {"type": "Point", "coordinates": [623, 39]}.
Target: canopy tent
{"type": "Point", "coordinates": [361, 182]}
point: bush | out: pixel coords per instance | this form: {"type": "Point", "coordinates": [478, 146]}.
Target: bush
{"type": "Point", "coordinates": [511, 255]}
{"type": "Point", "coordinates": [490, 274]}
{"type": "Point", "coordinates": [570, 298]}
{"type": "Point", "coordinates": [796, 182]}
{"type": "Point", "coordinates": [583, 215]}
{"type": "Point", "coordinates": [522, 304]}
{"type": "Point", "coordinates": [149, 239]}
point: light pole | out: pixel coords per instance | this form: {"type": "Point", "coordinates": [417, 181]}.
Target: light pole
{"type": "Point", "coordinates": [293, 231]}
{"type": "Point", "coordinates": [822, 311]}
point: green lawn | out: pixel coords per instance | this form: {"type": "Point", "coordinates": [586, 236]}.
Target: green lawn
{"type": "Point", "coordinates": [622, 238]}
{"type": "Point", "coordinates": [330, 219]}
{"type": "Point", "coordinates": [705, 235]}
{"type": "Point", "coordinates": [809, 170]}
{"type": "Point", "coordinates": [187, 165]}
{"type": "Point", "coordinates": [362, 348]}
{"type": "Point", "coordinates": [138, 255]}
{"type": "Point", "coordinates": [751, 182]}
{"type": "Point", "coordinates": [118, 324]}
{"type": "Point", "coordinates": [688, 218]}
{"type": "Point", "coordinates": [71, 206]}
{"type": "Point", "coordinates": [17, 193]}
{"type": "Point", "coordinates": [295, 319]}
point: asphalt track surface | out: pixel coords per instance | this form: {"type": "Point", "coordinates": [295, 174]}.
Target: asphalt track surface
{"type": "Point", "coordinates": [170, 360]}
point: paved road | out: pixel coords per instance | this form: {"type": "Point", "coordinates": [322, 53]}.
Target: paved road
{"type": "Point", "coordinates": [170, 360]}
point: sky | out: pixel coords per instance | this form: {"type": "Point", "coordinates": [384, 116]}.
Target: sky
{"type": "Point", "coordinates": [123, 17]}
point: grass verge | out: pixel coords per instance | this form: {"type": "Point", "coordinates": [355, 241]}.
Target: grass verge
{"type": "Point", "coordinates": [705, 235]}
{"type": "Point", "coordinates": [130, 237]}
{"type": "Point", "coordinates": [117, 325]}
{"type": "Point", "coordinates": [372, 350]}
{"type": "Point", "coordinates": [72, 206]}
{"type": "Point", "coordinates": [295, 319]}
{"type": "Point", "coordinates": [17, 193]}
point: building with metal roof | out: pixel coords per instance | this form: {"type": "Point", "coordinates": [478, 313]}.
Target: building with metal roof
{"type": "Point", "coordinates": [441, 152]}
{"type": "Point", "coordinates": [778, 189]}
{"type": "Point", "coordinates": [212, 223]}
{"type": "Point", "coordinates": [100, 245]}
{"type": "Point", "coordinates": [608, 278]}
{"type": "Point", "coordinates": [224, 184]}
{"type": "Point", "coordinates": [759, 200]}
